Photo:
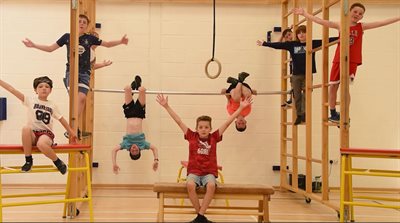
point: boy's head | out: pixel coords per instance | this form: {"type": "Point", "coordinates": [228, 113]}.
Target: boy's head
{"type": "Point", "coordinates": [287, 35]}
{"type": "Point", "coordinates": [241, 123]}
{"type": "Point", "coordinates": [357, 11]}
{"type": "Point", "coordinates": [44, 79]}
{"type": "Point", "coordinates": [83, 23]}
{"type": "Point", "coordinates": [301, 33]}
{"type": "Point", "coordinates": [134, 152]}
{"type": "Point", "coordinates": [203, 126]}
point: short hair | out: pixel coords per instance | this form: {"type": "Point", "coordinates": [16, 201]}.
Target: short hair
{"type": "Point", "coordinates": [288, 30]}
{"type": "Point", "coordinates": [300, 29]}
{"type": "Point", "coordinates": [240, 129]}
{"type": "Point", "coordinates": [82, 16]}
{"type": "Point", "coordinates": [357, 4]}
{"type": "Point", "coordinates": [43, 79]}
{"type": "Point", "coordinates": [203, 118]}
{"type": "Point", "coordinates": [135, 157]}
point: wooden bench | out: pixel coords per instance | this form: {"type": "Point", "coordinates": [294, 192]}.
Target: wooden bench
{"type": "Point", "coordinates": [255, 192]}
{"type": "Point", "coordinates": [74, 166]}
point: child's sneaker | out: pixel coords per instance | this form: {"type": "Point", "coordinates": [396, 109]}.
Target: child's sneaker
{"type": "Point", "coordinates": [26, 167]}
{"type": "Point", "coordinates": [62, 168]}
{"type": "Point", "coordinates": [335, 118]}
{"type": "Point", "coordinates": [242, 76]}
{"type": "Point", "coordinates": [299, 119]}
{"type": "Point", "coordinates": [138, 81]}
{"type": "Point", "coordinates": [231, 80]}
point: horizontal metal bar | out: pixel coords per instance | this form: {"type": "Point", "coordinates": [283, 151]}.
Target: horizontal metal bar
{"type": "Point", "coordinates": [187, 92]}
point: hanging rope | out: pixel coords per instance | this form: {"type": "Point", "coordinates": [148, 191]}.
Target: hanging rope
{"type": "Point", "coordinates": [213, 52]}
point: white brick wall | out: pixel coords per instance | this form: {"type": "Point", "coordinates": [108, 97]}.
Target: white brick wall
{"type": "Point", "coordinates": [169, 45]}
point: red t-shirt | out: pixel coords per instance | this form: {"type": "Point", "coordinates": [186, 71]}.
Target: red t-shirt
{"type": "Point", "coordinates": [355, 53]}
{"type": "Point", "coordinates": [232, 106]}
{"type": "Point", "coordinates": [202, 153]}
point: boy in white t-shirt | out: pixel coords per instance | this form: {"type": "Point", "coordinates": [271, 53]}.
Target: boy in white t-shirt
{"type": "Point", "coordinates": [39, 129]}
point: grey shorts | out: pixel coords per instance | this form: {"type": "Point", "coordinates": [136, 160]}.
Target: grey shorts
{"type": "Point", "coordinates": [83, 82]}
{"type": "Point", "coordinates": [201, 181]}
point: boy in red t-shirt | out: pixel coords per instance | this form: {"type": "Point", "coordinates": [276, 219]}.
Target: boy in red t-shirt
{"type": "Point", "coordinates": [357, 29]}
{"type": "Point", "coordinates": [202, 166]}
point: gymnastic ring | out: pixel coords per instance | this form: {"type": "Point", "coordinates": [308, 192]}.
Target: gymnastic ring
{"type": "Point", "coordinates": [219, 68]}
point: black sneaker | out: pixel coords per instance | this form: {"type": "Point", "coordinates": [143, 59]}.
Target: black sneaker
{"type": "Point", "coordinates": [299, 119]}
{"type": "Point", "coordinates": [133, 85]}
{"type": "Point", "coordinates": [231, 80]}
{"type": "Point", "coordinates": [26, 167]}
{"type": "Point", "coordinates": [242, 76]}
{"type": "Point", "coordinates": [62, 168]}
{"type": "Point", "coordinates": [138, 81]}
{"type": "Point", "coordinates": [335, 118]}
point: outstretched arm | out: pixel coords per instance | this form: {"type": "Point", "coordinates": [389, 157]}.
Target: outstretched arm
{"type": "Point", "coordinates": [12, 90]}
{"type": "Point", "coordinates": [114, 152]}
{"type": "Point", "coordinates": [108, 44]}
{"type": "Point", "coordinates": [372, 25]}
{"type": "Point", "coordinates": [301, 11]}
{"type": "Point", "coordinates": [155, 154]}
{"type": "Point", "coordinates": [46, 48]}
{"type": "Point", "coordinates": [163, 101]}
{"type": "Point", "coordinates": [67, 127]}
{"type": "Point", "coordinates": [105, 63]}
{"type": "Point", "coordinates": [244, 103]}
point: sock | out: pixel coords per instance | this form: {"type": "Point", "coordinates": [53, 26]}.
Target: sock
{"type": "Point", "coordinates": [333, 112]}
{"type": "Point", "coordinates": [29, 159]}
{"type": "Point", "coordinates": [57, 162]}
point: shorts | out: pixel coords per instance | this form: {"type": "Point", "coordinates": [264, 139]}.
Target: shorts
{"type": "Point", "coordinates": [83, 82]}
{"type": "Point", "coordinates": [335, 72]}
{"type": "Point", "coordinates": [134, 110]}
{"type": "Point", "coordinates": [137, 139]}
{"type": "Point", "coordinates": [201, 181]}
{"type": "Point", "coordinates": [232, 86]}
{"type": "Point", "coordinates": [39, 133]}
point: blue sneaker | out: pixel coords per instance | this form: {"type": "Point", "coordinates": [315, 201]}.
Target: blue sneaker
{"type": "Point", "coordinates": [335, 118]}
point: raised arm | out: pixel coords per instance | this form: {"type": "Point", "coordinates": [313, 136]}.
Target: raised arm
{"type": "Point", "coordinates": [108, 44]}
{"type": "Point", "coordinates": [163, 101]}
{"type": "Point", "coordinates": [12, 90]}
{"type": "Point", "coordinates": [46, 48]}
{"type": "Point", "coordinates": [155, 154]}
{"type": "Point", "coordinates": [377, 24]}
{"type": "Point", "coordinates": [105, 63]}
{"type": "Point", "coordinates": [243, 104]}
{"type": "Point", "coordinates": [301, 11]}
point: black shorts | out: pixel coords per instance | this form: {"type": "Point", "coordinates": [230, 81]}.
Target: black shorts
{"type": "Point", "coordinates": [134, 110]}
{"type": "Point", "coordinates": [232, 86]}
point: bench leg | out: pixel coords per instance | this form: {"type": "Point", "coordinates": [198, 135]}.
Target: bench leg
{"type": "Point", "coordinates": [263, 208]}
{"type": "Point", "coordinates": [160, 217]}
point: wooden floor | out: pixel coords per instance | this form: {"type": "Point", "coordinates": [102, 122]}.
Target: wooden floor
{"type": "Point", "coordinates": [128, 205]}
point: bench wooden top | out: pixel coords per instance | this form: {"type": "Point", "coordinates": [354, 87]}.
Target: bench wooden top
{"type": "Point", "coordinates": [59, 148]}
{"type": "Point", "coordinates": [221, 188]}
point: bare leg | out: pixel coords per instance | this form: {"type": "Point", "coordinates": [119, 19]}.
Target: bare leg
{"type": "Point", "coordinates": [333, 95]}
{"type": "Point", "coordinates": [236, 93]}
{"type": "Point", "coordinates": [81, 102]}
{"type": "Point", "coordinates": [44, 145]}
{"type": "Point", "coordinates": [191, 188]}
{"type": "Point", "coordinates": [27, 140]}
{"type": "Point", "coordinates": [128, 94]}
{"type": "Point", "coordinates": [207, 197]}
{"type": "Point", "coordinates": [246, 92]}
{"type": "Point", "coordinates": [142, 96]}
